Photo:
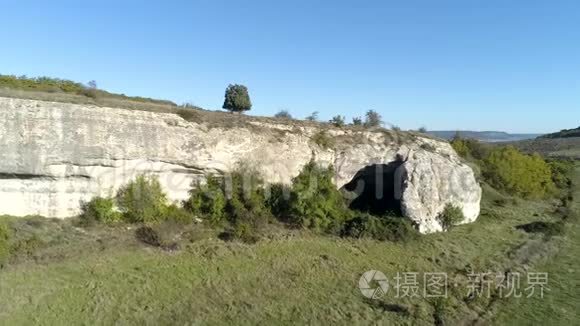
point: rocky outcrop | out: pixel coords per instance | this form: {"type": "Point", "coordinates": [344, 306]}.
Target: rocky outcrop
{"type": "Point", "coordinates": [55, 155]}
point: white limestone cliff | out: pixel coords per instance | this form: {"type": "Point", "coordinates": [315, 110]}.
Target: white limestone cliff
{"type": "Point", "coordinates": [55, 155]}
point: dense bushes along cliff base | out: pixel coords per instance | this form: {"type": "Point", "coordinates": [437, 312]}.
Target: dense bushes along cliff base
{"type": "Point", "coordinates": [242, 205]}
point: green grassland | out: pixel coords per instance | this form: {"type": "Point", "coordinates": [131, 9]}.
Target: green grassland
{"type": "Point", "coordinates": [102, 275]}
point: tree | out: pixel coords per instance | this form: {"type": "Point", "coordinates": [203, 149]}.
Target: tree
{"type": "Point", "coordinates": [423, 130]}
{"type": "Point", "coordinates": [357, 121]}
{"type": "Point", "coordinates": [91, 89]}
{"type": "Point", "coordinates": [237, 98]}
{"type": "Point", "coordinates": [373, 119]}
{"type": "Point", "coordinates": [313, 116]}
{"type": "Point", "coordinates": [337, 121]}
{"type": "Point", "coordinates": [283, 114]}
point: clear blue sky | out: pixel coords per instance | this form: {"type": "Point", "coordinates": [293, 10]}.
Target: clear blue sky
{"type": "Point", "coordinates": [465, 64]}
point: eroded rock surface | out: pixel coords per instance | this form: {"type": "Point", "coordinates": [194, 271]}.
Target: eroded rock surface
{"type": "Point", "coordinates": [55, 155]}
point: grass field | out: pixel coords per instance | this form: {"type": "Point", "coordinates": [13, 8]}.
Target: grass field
{"type": "Point", "coordinates": [104, 276]}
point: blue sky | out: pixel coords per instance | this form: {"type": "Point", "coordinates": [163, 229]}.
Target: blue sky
{"type": "Point", "coordinates": [465, 64]}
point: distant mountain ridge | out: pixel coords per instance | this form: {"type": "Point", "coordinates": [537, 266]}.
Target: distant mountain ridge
{"type": "Point", "coordinates": [485, 136]}
{"type": "Point", "coordinates": [564, 133]}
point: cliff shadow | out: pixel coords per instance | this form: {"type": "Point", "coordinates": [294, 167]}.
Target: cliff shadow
{"type": "Point", "coordinates": [374, 189]}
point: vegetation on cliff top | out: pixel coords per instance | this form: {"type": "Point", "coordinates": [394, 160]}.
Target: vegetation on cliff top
{"type": "Point", "coordinates": [56, 85]}
{"type": "Point", "coordinates": [565, 133]}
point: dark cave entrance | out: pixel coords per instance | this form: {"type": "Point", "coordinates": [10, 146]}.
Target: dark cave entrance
{"type": "Point", "coordinates": [374, 189]}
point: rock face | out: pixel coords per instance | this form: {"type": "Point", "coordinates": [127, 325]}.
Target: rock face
{"type": "Point", "coordinates": [55, 155]}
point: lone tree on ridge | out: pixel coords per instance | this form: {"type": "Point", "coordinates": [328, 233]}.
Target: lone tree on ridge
{"type": "Point", "coordinates": [237, 98]}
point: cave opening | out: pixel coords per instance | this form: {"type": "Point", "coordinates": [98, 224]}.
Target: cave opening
{"type": "Point", "coordinates": [376, 189]}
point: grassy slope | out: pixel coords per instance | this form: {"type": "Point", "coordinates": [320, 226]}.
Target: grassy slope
{"type": "Point", "coordinates": [298, 278]}
{"type": "Point", "coordinates": [561, 306]}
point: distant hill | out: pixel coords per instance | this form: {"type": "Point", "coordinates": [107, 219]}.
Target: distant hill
{"type": "Point", "coordinates": [565, 133]}
{"type": "Point", "coordinates": [485, 136]}
{"type": "Point", "coordinates": [568, 147]}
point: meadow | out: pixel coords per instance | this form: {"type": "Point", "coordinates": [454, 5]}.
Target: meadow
{"type": "Point", "coordinates": [64, 274]}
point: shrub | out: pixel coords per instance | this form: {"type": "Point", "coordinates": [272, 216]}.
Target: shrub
{"type": "Point", "coordinates": [278, 200]}
{"type": "Point", "coordinates": [4, 243]}
{"type": "Point", "coordinates": [501, 202]}
{"type": "Point", "coordinates": [373, 119]}
{"type": "Point", "coordinates": [337, 121]}
{"type": "Point", "coordinates": [148, 235]}
{"type": "Point", "coordinates": [238, 199]}
{"type": "Point", "coordinates": [428, 147]}
{"type": "Point", "coordinates": [470, 148]}
{"type": "Point", "coordinates": [561, 172]}
{"type": "Point", "coordinates": [422, 130]}
{"type": "Point", "coordinates": [525, 175]}
{"type": "Point", "coordinates": [357, 121]}
{"type": "Point", "coordinates": [451, 216]}
{"type": "Point", "coordinates": [460, 147]}
{"type": "Point", "coordinates": [25, 247]}
{"type": "Point", "coordinates": [323, 140]}
{"type": "Point", "coordinates": [283, 114]}
{"type": "Point", "coordinates": [165, 234]}
{"type": "Point", "coordinates": [188, 114]}
{"type": "Point", "coordinates": [142, 200]}
{"type": "Point", "coordinates": [176, 214]}
{"type": "Point", "coordinates": [246, 202]}
{"type": "Point", "coordinates": [549, 229]}
{"type": "Point", "coordinates": [99, 209]}
{"type": "Point", "coordinates": [384, 228]}
{"type": "Point", "coordinates": [237, 98]}
{"type": "Point", "coordinates": [313, 116]}
{"type": "Point", "coordinates": [315, 202]}
{"type": "Point", "coordinates": [208, 200]}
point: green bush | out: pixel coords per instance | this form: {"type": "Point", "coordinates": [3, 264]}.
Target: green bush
{"type": "Point", "coordinates": [142, 200]}
{"type": "Point", "coordinates": [470, 149]}
{"type": "Point", "coordinates": [451, 216]}
{"type": "Point", "coordinates": [313, 116]}
{"type": "Point", "coordinates": [5, 234]}
{"type": "Point", "coordinates": [549, 229]}
{"type": "Point", "coordinates": [189, 115]}
{"type": "Point", "coordinates": [373, 119]}
{"type": "Point", "coordinates": [283, 114]}
{"type": "Point", "coordinates": [238, 198]}
{"type": "Point", "coordinates": [382, 228]}
{"type": "Point", "coordinates": [164, 235]}
{"type": "Point", "coordinates": [99, 209]}
{"type": "Point", "coordinates": [525, 175]}
{"type": "Point", "coordinates": [278, 200]}
{"type": "Point", "coordinates": [246, 201]}
{"type": "Point", "coordinates": [148, 235]}
{"type": "Point", "coordinates": [337, 121]}
{"type": "Point", "coordinates": [561, 172]}
{"type": "Point", "coordinates": [323, 140]}
{"type": "Point", "coordinates": [177, 214]}
{"type": "Point", "coordinates": [357, 121]}
{"type": "Point", "coordinates": [26, 247]}
{"type": "Point", "coordinates": [461, 147]}
{"type": "Point", "coordinates": [315, 202]}
{"type": "Point", "coordinates": [208, 200]}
